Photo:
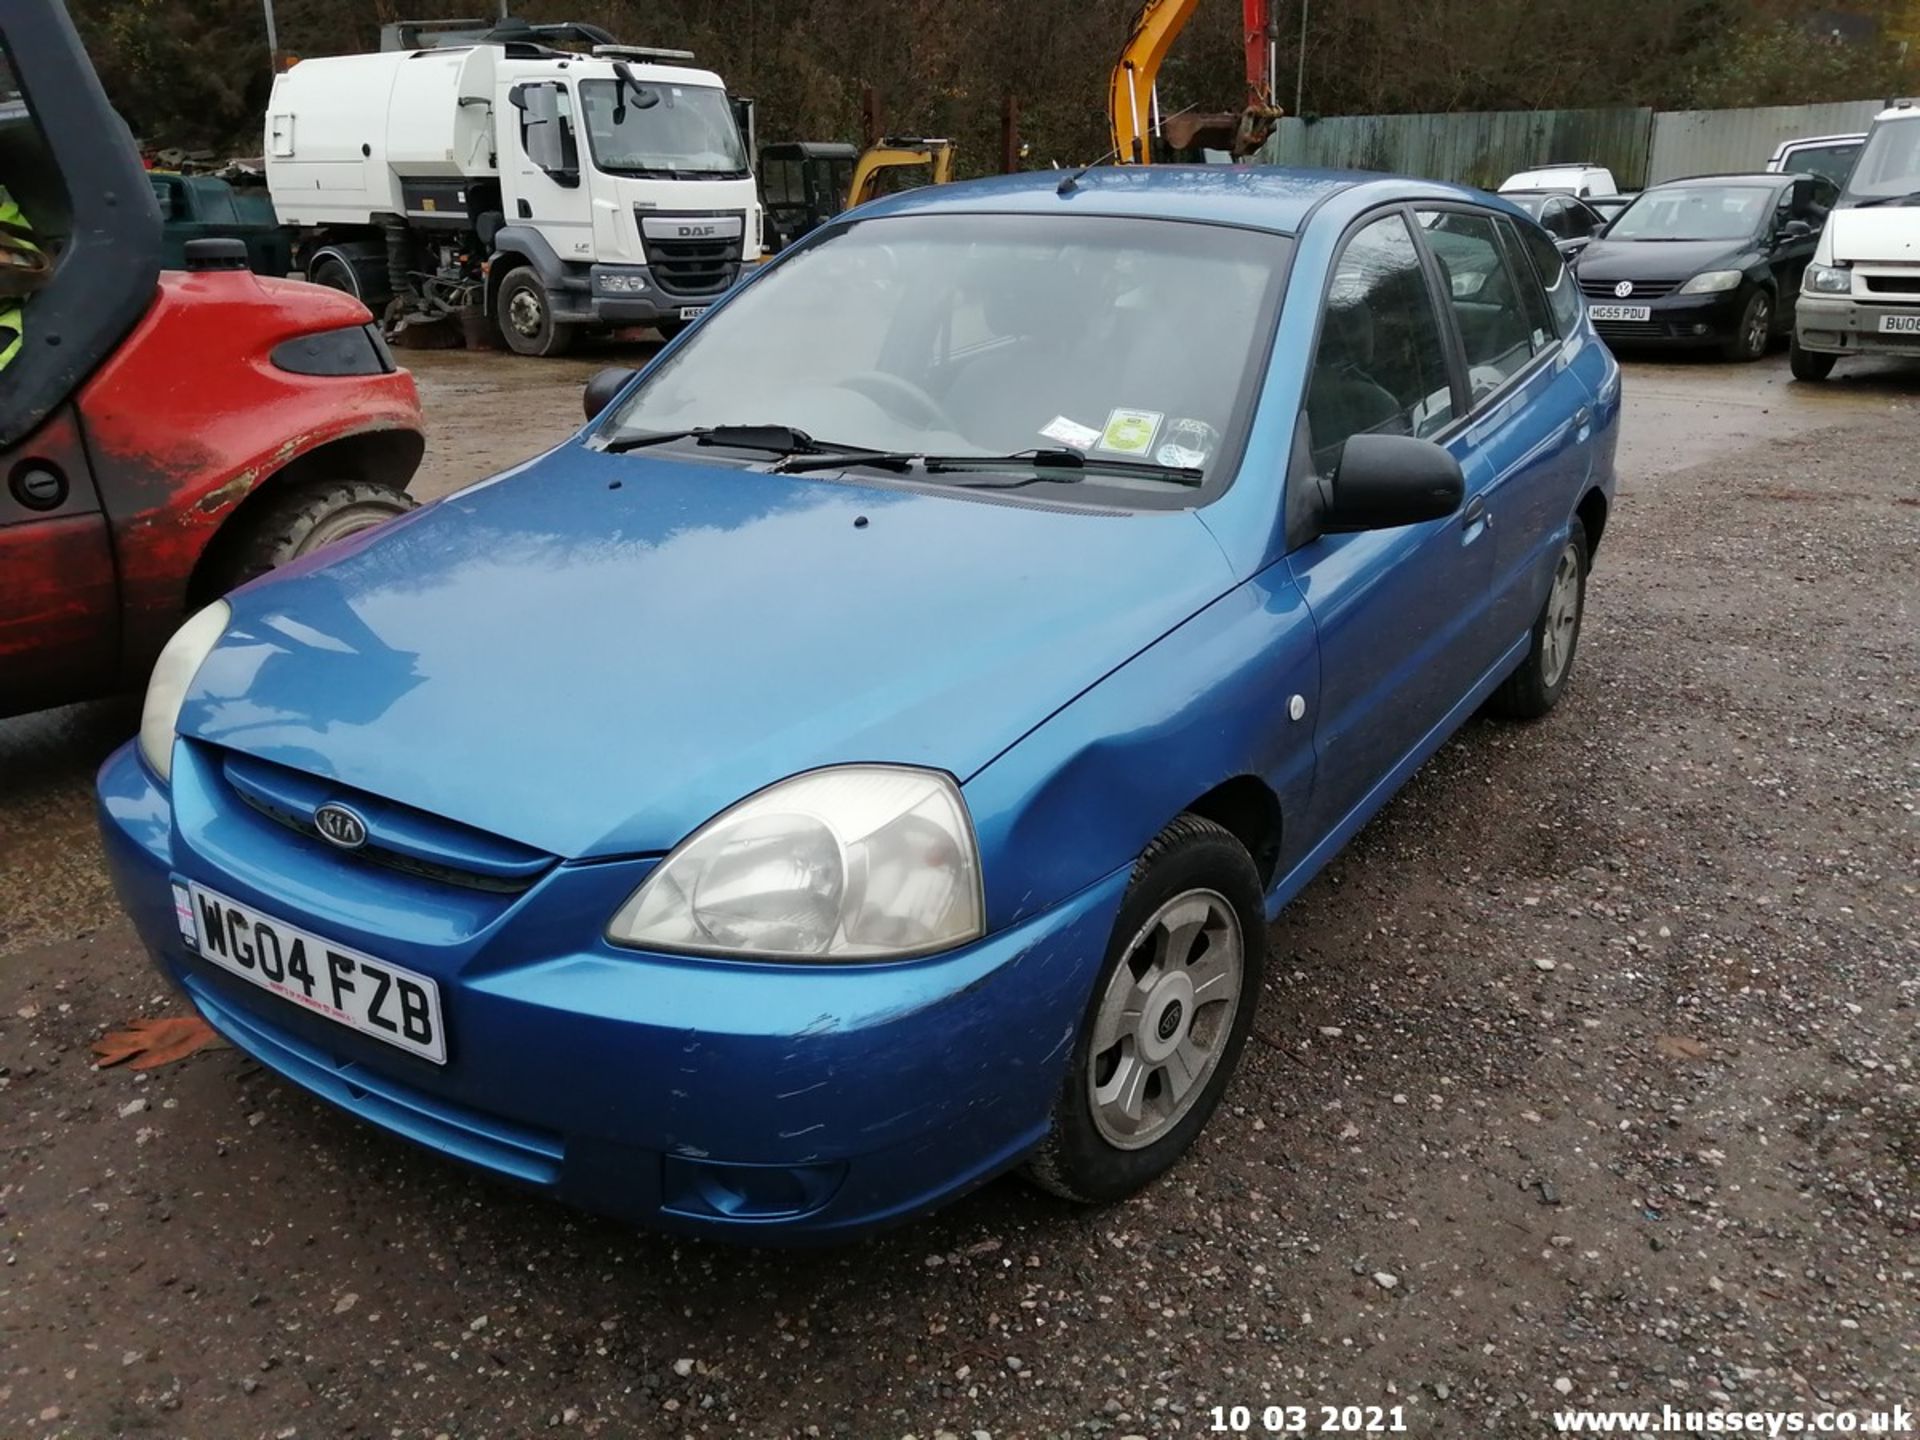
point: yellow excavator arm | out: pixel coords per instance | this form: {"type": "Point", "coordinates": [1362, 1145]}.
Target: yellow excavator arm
{"type": "Point", "coordinates": [1130, 91]}
{"type": "Point", "coordinates": [891, 153]}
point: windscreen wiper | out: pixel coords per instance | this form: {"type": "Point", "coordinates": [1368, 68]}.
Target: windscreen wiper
{"type": "Point", "coordinates": [780, 439]}
{"type": "Point", "coordinates": [1887, 200]}
{"type": "Point", "coordinates": [1049, 464]}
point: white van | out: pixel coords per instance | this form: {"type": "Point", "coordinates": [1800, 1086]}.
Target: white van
{"type": "Point", "coordinates": [1571, 177]}
{"type": "Point", "coordinates": [1861, 293]}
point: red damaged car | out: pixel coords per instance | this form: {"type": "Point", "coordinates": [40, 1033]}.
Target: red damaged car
{"type": "Point", "coordinates": [164, 436]}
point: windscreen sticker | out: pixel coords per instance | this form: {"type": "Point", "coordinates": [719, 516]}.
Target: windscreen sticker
{"type": "Point", "coordinates": [1131, 432]}
{"type": "Point", "coordinates": [1071, 433]}
{"type": "Point", "coordinates": [1188, 443]}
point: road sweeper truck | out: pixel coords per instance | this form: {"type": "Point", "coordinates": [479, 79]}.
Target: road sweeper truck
{"type": "Point", "coordinates": [549, 190]}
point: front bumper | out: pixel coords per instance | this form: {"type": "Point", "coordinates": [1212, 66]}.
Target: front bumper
{"type": "Point", "coordinates": [1840, 325]}
{"type": "Point", "coordinates": [1676, 321]}
{"type": "Point", "coordinates": [764, 1102]}
{"type": "Point", "coordinates": [626, 295]}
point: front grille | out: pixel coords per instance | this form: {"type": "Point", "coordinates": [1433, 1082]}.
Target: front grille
{"type": "Point", "coordinates": [1628, 330]}
{"type": "Point", "coordinates": [694, 267]}
{"type": "Point", "coordinates": [1893, 284]}
{"type": "Point", "coordinates": [1642, 290]}
{"type": "Point", "coordinates": [399, 837]}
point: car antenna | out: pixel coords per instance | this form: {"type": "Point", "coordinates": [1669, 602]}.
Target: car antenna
{"type": "Point", "coordinates": [1072, 178]}
{"type": "Point", "coordinates": [1071, 181]}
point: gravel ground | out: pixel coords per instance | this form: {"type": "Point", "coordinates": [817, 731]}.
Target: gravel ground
{"type": "Point", "coordinates": [1586, 1076]}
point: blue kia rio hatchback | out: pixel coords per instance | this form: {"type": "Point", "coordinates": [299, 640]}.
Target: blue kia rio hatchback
{"type": "Point", "coordinates": [865, 758]}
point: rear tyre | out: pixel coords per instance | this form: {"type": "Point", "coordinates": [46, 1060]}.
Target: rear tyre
{"type": "Point", "coordinates": [304, 519]}
{"type": "Point", "coordinates": [1809, 364]}
{"type": "Point", "coordinates": [1168, 1017]}
{"type": "Point", "coordinates": [1755, 330]}
{"type": "Point", "coordinates": [525, 312]}
{"type": "Point", "coordinates": [1536, 687]}
{"type": "Point", "coordinates": [334, 273]}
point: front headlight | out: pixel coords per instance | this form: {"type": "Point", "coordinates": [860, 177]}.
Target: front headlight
{"type": "Point", "coordinates": [172, 673]}
{"type": "Point", "coordinates": [857, 862]}
{"type": "Point", "coordinates": [1712, 282]}
{"type": "Point", "coordinates": [1829, 280]}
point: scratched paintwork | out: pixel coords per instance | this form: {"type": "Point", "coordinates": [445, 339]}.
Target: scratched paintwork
{"type": "Point", "coordinates": [181, 424]}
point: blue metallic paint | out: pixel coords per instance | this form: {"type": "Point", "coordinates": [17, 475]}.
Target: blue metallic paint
{"type": "Point", "coordinates": [592, 672]}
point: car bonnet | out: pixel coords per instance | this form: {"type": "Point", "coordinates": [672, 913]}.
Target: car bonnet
{"type": "Point", "coordinates": [596, 655]}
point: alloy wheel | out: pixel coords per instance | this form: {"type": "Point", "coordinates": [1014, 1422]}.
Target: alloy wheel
{"type": "Point", "coordinates": [1165, 1018]}
{"type": "Point", "coordinates": [1563, 617]}
{"type": "Point", "coordinates": [1759, 326]}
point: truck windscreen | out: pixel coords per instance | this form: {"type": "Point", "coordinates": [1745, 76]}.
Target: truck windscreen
{"type": "Point", "coordinates": [662, 130]}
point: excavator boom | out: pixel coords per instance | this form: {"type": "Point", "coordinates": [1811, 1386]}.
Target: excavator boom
{"type": "Point", "coordinates": [1130, 99]}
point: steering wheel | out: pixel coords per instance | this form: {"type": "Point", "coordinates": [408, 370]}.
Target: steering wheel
{"type": "Point", "coordinates": [901, 398]}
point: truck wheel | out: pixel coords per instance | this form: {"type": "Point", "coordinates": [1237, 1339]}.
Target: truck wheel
{"type": "Point", "coordinates": [1168, 1018]}
{"type": "Point", "coordinates": [1808, 364]}
{"type": "Point", "coordinates": [334, 273]}
{"type": "Point", "coordinates": [1536, 687]}
{"type": "Point", "coordinates": [525, 312]}
{"type": "Point", "coordinates": [303, 519]}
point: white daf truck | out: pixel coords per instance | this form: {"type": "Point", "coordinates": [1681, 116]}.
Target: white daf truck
{"type": "Point", "coordinates": [551, 190]}
{"type": "Point", "coordinates": [1861, 293]}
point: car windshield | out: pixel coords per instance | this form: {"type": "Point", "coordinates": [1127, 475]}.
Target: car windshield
{"type": "Point", "coordinates": [1694, 212]}
{"type": "Point", "coordinates": [1889, 164]}
{"type": "Point", "coordinates": [992, 335]}
{"type": "Point", "coordinates": [653, 128]}
{"type": "Point", "coordinates": [1833, 161]}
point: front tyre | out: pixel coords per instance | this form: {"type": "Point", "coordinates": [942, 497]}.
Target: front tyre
{"type": "Point", "coordinates": [1536, 687]}
{"type": "Point", "coordinates": [525, 312]}
{"type": "Point", "coordinates": [1808, 364]}
{"type": "Point", "coordinates": [298, 521]}
{"type": "Point", "coordinates": [1755, 330]}
{"type": "Point", "coordinates": [1168, 1018]}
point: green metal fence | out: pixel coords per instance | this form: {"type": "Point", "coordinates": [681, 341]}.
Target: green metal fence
{"type": "Point", "coordinates": [1484, 147]}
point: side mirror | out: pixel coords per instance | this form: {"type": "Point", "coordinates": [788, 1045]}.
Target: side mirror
{"type": "Point", "coordinates": [1795, 230]}
{"type": "Point", "coordinates": [604, 385]}
{"type": "Point", "coordinates": [1384, 481]}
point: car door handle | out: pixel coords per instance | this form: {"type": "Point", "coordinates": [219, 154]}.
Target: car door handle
{"type": "Point", "coordinates": [1475, 512]}
{"type": "Point", "coordinates": [526, 210]}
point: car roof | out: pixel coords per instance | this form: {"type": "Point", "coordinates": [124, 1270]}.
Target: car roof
{"type": "Point", "coordinates": [1852, 137]}
{"type": "Point", "coordinates": [1258, 197]}
{"type": "Point", "coordinates": [1766, 178]}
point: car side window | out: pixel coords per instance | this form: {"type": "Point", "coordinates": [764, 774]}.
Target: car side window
{"type": "Point", "coordinates": [1580, 221]}
{"type": "Point", "coordinates": [1542, 331]}
{"type": "Point", "coordinates": [1557, 217]}
{"type": "Point", "coordinates": [1556, 278]}
{"type": "Point", "coordinates": [1494, 331]}
{"type": "Point", "coordinates": [1381, 364]}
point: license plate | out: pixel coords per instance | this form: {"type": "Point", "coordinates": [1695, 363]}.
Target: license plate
{"type": "Point", "coordinates": [692, 312]}
{"type": "Point", "coordinates": [1621, 312]}
{"type": "Point", "coordinates": [386, 1001]}
{"type": "Point", "coordinates": [1900, 324]}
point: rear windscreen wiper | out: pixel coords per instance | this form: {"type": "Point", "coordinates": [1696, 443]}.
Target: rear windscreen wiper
{"type": "Point", "coordinates": [780, 439]}
{"type": "Point", "coordinates": [1048, 462]}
